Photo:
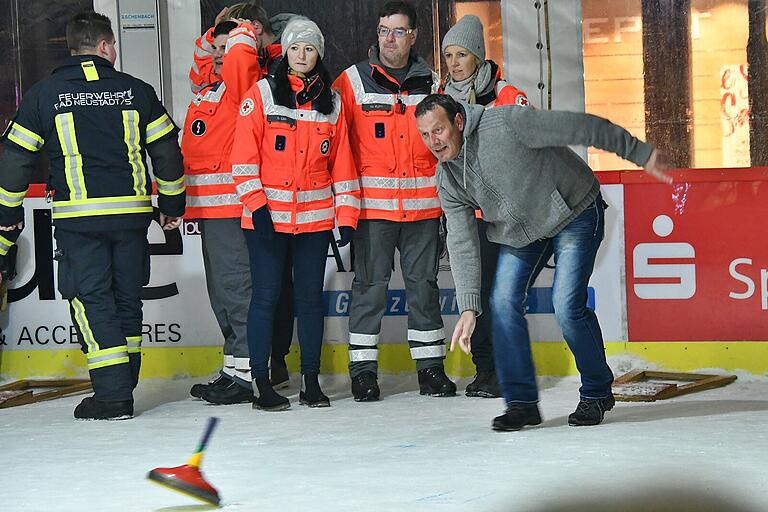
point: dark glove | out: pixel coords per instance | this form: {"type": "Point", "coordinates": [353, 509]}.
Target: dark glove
{"type": "Point", "coordinates": [346, 233]}
{"type": "Point", "coordinates": [262, 222]}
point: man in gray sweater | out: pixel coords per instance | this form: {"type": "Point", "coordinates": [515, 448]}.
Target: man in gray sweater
{"type": "Point", "coordinates": [541, 200]}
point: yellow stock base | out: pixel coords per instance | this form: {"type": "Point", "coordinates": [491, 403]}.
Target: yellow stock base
{"type": "Point", "coordinates": [552, 358]}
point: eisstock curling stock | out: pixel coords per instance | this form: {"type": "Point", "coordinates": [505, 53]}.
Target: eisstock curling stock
{"type": "Point", "coordinates": [187, 478]}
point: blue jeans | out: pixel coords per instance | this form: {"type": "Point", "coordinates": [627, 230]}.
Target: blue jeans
{"type": "Point", "coordinates": [574, 249]}
{"type": "Point", "coordinates": [269, 252]}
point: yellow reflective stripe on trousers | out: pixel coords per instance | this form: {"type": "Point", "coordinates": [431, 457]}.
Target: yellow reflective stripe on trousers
{"type": "Point", "coordinates": [107, 357]}
{"type": "Point", "coordinates": [84, 325]}
{"type": "Point", "coordinates": [5, 245]}
{"type": "Point", "coordinates": [133, 343]}
{"type": "Point", "coordinates": [102, 206]}
{"type": "Point", "coordinates": [132, 137]}
{"type": "Point", "coordinates": [12, 199]}
{"type": "Point", "coordinates": [89, 70]}
{"type": "Point", "coordinates": [170, 188]}
{"type": "Point", "coordinates": [158, 128]}
{"type": "Point", "coordinates": [73, 161]}
{"type": "Point", "coordinates": [25, 138]}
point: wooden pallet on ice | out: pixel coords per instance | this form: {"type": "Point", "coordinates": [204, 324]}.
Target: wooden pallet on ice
{"type": "Point", "coordinates": [21, 392]}
{"type": "Point", "coordinates": [649, 386]}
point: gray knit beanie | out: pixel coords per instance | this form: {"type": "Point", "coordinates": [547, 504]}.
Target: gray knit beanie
{"type": "Point", "coordinates": [303, 30]}
{"type": "Point", "coordinates": [468, 33]}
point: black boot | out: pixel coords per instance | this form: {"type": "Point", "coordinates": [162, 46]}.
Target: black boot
{"type": "Point", "coordinates": [312, 395]}
{"type": "Point", "coordinates": [591, 412]}
{"type": "Point", "coordinates": [232, 393]}
{"type": "Point", "coordinates": [517, 416]}
{"type": "Point", "coordinates": [485, 385]}
{"type": "Point", "coordinates": [365, 388]}
{"type": "Point", "coordinates": [219, 382]}
{"type": "Point", "coordinates": [434, 382]}
{"type": "Point", "coordinates": [278, 373]}
{"type": "Point", "coordinates": [268, 399]}
{"type": "Point", "coordinates": [92, 409]}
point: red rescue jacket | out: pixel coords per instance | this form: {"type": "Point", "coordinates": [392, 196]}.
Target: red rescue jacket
{"type": "Point", "coordinates": [296, 161]}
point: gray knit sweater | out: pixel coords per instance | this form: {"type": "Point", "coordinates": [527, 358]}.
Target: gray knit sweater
{"type": "Point", "coordinates": [515, 167]}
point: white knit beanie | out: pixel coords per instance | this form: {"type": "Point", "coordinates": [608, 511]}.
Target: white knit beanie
{"type": "Point", "coordinates": [467, 33]}
{"type": "Point", "coordinates": [303, 30]}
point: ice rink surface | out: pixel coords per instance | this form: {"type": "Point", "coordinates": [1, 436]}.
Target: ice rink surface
{"type": "Point", "coordinates": [704, 451]}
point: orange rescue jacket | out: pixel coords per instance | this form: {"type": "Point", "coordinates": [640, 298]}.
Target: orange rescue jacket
{"type": "Point", "coordinates": [397, 171]}
{"type": "Point", "coordinates": [209, 129]}
{"type": "Point", "coordinates": [296, 161]}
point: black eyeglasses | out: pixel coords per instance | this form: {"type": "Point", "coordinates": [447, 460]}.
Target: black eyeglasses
{"type": "Point", "coordinates": [399, 32]}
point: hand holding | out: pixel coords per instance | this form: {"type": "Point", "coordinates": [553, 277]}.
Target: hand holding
{"type": "Point", "coordinates": [346, 233]}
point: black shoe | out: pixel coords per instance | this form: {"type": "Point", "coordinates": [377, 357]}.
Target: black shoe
{"type": "Point", "coordinates": [219, 382]}
{"type": "Point", "coordinates": [92, 409]}
{"type": "Point", "coordinates": [233, 393]}
{"type": "Point", "coordinates": [268, 399]}
{"type": "Point", "coordinates": [485, 385]}
{"type": "Point", "coordinates": [591, 412]}
{"type": "Point", "coordinates": [517, 416]}
{"type": "Point", "coordinates": [312, 395]}
{"type": "Point", "coordinates": [365, 387]}
{"type": "Point", "coordinates": [278, 374]}
{"type": "Point", "coordinates": [434, 382]}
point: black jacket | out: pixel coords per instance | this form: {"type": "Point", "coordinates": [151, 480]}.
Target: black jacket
{"type": "Point", "coordinates": [97, 126]}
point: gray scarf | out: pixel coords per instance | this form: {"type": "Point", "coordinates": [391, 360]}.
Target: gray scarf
{"type": "Point", "coordinates": [479, 84]}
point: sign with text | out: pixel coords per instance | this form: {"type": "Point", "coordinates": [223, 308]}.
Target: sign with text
{"type": "Point", "coordinates": [697, 260]}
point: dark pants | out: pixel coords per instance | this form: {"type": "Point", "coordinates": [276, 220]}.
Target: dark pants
{"type": "Point", "coordinates": [228, 279]}
{"type": "Point", "coordinates": [482, 345]}
{"type": "Point", "coordinates": [575, 249]}
{"type": "Point", "coordinates": [269, 257]}
{"type": "Point", "coordinates": [419, 246]}
{"type": "Point", "coordinates": [101, 274]}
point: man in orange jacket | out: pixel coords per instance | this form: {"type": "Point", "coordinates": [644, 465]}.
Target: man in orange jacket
{"type": "Point", "coordinates": [227, 63]}
{"type": "Point", "coordinates": [400, 208]}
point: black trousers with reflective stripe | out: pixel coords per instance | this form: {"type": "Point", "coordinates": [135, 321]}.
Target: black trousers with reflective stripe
{"type": "Point", "coordinates": [101, 273]}
{"type": "Point", "coordinates": [419, 246]}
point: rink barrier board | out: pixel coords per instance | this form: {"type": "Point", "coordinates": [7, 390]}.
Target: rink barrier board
{"type": "Point", "coordinates": [551, 358]}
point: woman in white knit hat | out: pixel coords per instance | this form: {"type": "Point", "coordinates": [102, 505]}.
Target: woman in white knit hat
{"type": "Point", "coordinates": [296, 177]}
{"type": "Point", "coordinates": [473, 79]}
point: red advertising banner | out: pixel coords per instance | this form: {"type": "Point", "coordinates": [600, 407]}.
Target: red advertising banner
{"type": "Point", "coordinates": [697, 256]}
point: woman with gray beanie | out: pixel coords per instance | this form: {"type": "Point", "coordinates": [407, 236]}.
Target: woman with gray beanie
{"type": "Point", "coordinates": [475, 80]}
{"type": "Point", "coordinates": [471, 77]}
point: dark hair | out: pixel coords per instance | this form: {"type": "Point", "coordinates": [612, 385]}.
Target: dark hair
{"type": "Point", "coordinates": [224, 28]}
{"type": "Point", "coordinates": [284, 95]}
{"type": "Point", "coordinates": [253, 12]}
{"type": "Point", "coordinates": [398, 7]}
{"type": "Point", "coordinates": [431, 102]}
{"type": "Point", "coordinates": [86, 29]}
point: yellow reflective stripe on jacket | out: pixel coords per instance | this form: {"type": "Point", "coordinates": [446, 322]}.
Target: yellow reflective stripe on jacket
{"type": "Point", "coordinates": [73, 160]}
{"type": "Point", "coordinates": [89, 69]}
{"type": "Point", "coordinates": [25, 138]}
{"type": "Point", "coordinates": [158, 128]}
{"type": "Point", "coordinates": [5, 245]}
{"type": "Point", "coordinates": [133, 343]}
{"type": "Point", "coordinates": [170, 188]}
{"type": "Point", "coordinates": [132, 137]}
{"type": "Point", "coordinates": [107, 357]}
{"type": "Point", "coordinates": [102, 206]}
{"type": "Point", "coordinates": [85, 327]}
{"type": "Point", "coordinates": [12, 199]}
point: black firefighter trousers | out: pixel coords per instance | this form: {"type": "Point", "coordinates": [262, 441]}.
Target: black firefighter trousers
{"type": "Point", "coordinates": [101, 273]}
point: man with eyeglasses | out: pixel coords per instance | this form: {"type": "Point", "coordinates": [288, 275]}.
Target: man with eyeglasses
{"type": "Point", "coordinates": [400, 208]}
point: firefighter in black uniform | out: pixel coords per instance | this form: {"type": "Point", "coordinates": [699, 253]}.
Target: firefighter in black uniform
{"type": "Point", "coordinates": [97, 126]}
